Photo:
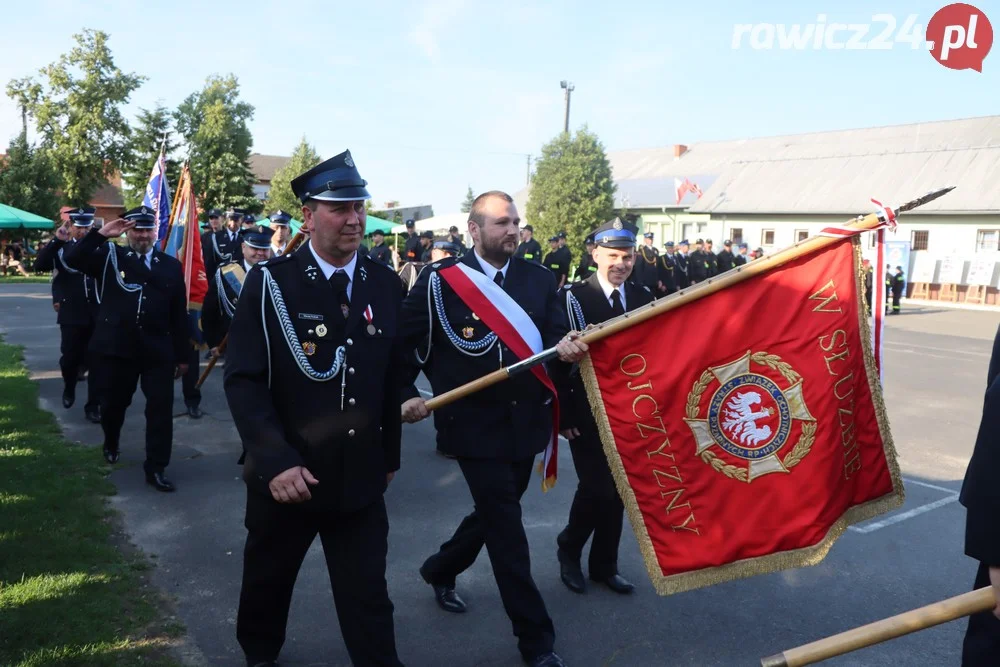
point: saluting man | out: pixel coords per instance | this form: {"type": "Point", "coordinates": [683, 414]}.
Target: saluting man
{"type": "Point", "coordinates": [281, 224]}
{"type": "Point", "coordinates": [141, 332]}
{"type": "Point", "coordinates": [495, 433]}
{"type": "Point", "coordinates": [224, 287]}
{"type": "Point", "coordinates": [75, 300]}
{"type": "Point", "coordinates": [312, 379]}
{"type": "Point", "coordinates": [597, 509]}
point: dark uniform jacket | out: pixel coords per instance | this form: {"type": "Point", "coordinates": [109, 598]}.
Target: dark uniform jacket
{"type": "Point", "coordinates": [681, 265]}
{"type": "Point", "coordinates": [711, 263]}
{"type": "Point", "coordinates": [645, 271]}
{"type": "Point", "coordinates": [697, 266]}
{"type": "Point", "coordinates": [586, 267]}
{"type": "Point", "coordinates": [381, 253]}
{"type": "Point", "coordinates": [411, 248]}
{"type": "Point", "coordinates": [143, 314]}
{"type": "Point", "coordinates": [574, 408]}
{"type": "Point", "coordinates": [74, 291]}
{"type": "Point", "coordinates": [216, 316]}
{"type": "Point", "coordinates": [980, 491]}
{"type": "Point", "coordinates": [221, 250]}
{"type": "Point", "coordinates": [666, 268]}
{"type": "Point", "coordinates": [898, 283]}
{"type": "Point", "coordinates": [739, 260]}
{"type": "Point", "coordinates": [512, 420]}
{"type": "Point", "coordinates": [557, 262]}
{"type": "Point", "coordinates": [725, 260]}
{"type": "Point", "coordinates": [284, 417]}
{"type": "Point", "coordinates": [529, 250]}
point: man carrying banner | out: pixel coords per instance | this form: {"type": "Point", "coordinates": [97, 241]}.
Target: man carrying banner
{"type": "Point", "coordinates": [225, 286]}
{"type": "Point", "coordinates": [597, 510]}
{"type": "Point", "coordinates": [313, 377]}
{"type": "Point", "coordinates": [75, 300]}
{"type": "Point", "coordinates": [490, 306]}
{"type": "Point", "coordinates": [981, 497]}
{"type": "Point", "coordinates": [282, 230]}
{"type": "Point", "coordinates": [141, 332]}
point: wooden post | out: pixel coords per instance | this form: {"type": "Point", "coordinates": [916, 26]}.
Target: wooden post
{"type": "Point", "coordinates": [975, 294]}
{"type": "Point", "coordinates": [921, 291]}
{"type": "Point", "coordinates": [982, 600]}
{"type": "Point", "coordinates": [949, 292]}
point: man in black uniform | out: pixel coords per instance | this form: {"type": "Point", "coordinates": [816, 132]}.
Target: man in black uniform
{"type": "Point", "coordinates": [316, 402]}
{"type": "Point", "coordinates": [666, 268]}
{"type": "Point", "coordinates": [681, 262]}
{"type": "Point", "coordinates": [529, 249]}
{"type": "Point", "coordinates": [726, 257]}
{"type": "Point", "coordinates": [281, 224]}
{"type": "Point", "coordinates": [697, 263]}
{"type": "Point", "coordinates": [75, 300]}
{"type": "Point", "coordinates": [711, 260]}
{"type": "Point", "coordinates": [981, 498]}
{"type": "Point", "coordinates": [597, 509]}
{"type": "Point", "coordinates": [249, 220]}
{"type": "Point", "coordinates": [225, 243]}
{"type": "Point", "coordinates": [587, 266]}
{"type": "Point", "coordinates": [225, 285]}
{"type": "Point", "coordinates": [380, 252]}
{"type": "Point", "coordinates": [898, 285]}
{"type": "Point", "coordinates": [495, 433]}
{"type": "Point", "coordinates": [456, 239]}
{"type": "Point", "coordinates": [141, 332]}
{"type": "Point", "coordinates": [554, 262]}
{"type": "Point", "coordinates": [741, 258]}
{"type": "Point", "coordinates": [648, 257]}
{"type": "Point", "coordinates": [411, 248]}
{"type": "Point", "coordinates": [426, 241]}
{"type": "Point", "coordinates": [440, 248]}
{"type": "Point", "coordinates": [209, 229]}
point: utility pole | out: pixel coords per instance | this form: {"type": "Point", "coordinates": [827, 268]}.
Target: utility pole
{"type": "Point", "coordinates": [569, 88]}
{"type": "Point", "coordinates": [527, 175]}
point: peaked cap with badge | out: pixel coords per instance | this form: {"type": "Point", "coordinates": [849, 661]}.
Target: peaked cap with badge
{"type": "Point", "coordinates": [82, 217]}
{"type": "Point", "coordinates": [615, 234]}
{"type": "Point", "coordinates": [336, 179]}
{"type": "Point", "coordinates": [143, 217]}
{"type": "Point", "coordinates": [257, 237]}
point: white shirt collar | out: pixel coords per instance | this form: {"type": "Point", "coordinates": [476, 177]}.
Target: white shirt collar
{"type": "Point", "coordinates": [327, 268]}
{"type": "Point", "coordinates": [608, 288]}
{"type": "Point", "coordinates": [149, 258]}
{"type": "Point", "coordinates": [490, 270]}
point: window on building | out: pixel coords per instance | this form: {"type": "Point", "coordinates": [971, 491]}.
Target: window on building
{"type": "Point", "coordinates": [801, 235]}
{"type": "Point", "coordinates": [736, 235]}
{"type": "Point", "coordinates": [767, 237]}
{"type": "Point", "coordinates": [918, 239]}
{"type": "Point", "coordinates": [701, 227]}
{"type": "Point", "coordinates": [686, 230]}
{"type": "Point", "coordinates": [988, 240]}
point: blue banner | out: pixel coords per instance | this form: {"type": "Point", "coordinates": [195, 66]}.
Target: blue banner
{"type": "Point", "coordinates": [897, 253]}
{"type": "Point", "coordinates": [157, 197]}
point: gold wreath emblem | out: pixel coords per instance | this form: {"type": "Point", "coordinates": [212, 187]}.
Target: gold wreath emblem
{"type": "Point", "coordinates": [741, 400]}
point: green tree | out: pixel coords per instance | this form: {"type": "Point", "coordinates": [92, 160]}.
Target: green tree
{"type": "Point", "coordinates": [572, 189]}
{"type": "Point", "coordinates": [213, 123]}
{"type": "Point", "coordinates": [147, 138]}
{"type": "Point", "coordinates": [28, 180]}
{"type": "Point", "coordinates": [469, 198]}
{"type": "Point", "coordinates": [304, 157]}
{"type": "Point", "coordinates": [77, 107]}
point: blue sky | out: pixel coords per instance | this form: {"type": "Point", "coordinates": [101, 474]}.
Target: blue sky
{"type": "Point", "coordinates": [438, 95]}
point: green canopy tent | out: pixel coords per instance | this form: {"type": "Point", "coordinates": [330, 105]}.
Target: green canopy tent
{"type": "Point", "coordinates": [15, 218]}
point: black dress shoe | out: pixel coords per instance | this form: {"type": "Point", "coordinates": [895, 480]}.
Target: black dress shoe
{"type": "Point", "coordinates": [617, 583]}
{"type": "Point", "coordinates": [550, 659]}
{"type": "Point", "coordinates": [68, 397]}
{"type": "Point", "coordinates": [159, 482]}
{"type": "Point", "coordinates": [572, 576]}
{"type": "Point", "coordinates": [110, 455]}
{"type": "Point", "coordinates": [445, 596]}
{"type": "Point", "coordinates": [194, 412]}
{"type": "Point", "coordinates": [93, 415]}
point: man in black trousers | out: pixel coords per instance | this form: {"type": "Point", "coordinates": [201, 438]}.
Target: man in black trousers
{"type": "Point", "coordinates": [597, 509]}
{"type": "Point", "coordinates": [316, 401]}
{"type": "Point", "coordinates": [141, 334]}
{"type": "Point", "coordinates": [981, 497]}
{"type": "Point", "coordinates": [75, 300]}
{"type": "Point", "coordinates": [494, 433]}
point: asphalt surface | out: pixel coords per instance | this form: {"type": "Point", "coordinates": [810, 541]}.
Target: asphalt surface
{"type": "Point", "coordinates": [935, 369]}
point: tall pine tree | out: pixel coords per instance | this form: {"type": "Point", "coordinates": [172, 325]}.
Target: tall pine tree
{"type": "Point", "coordinates": [280, 196]}
{"type": "Point", "coordinates": [469, 198]}
{"type": "Point", "coordinates": [572, 189]}
{"type": "Point", "coordinates": [213, 123]}
{"type": "Point", "coordinates": [147, 138]}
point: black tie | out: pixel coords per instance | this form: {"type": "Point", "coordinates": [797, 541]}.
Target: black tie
{"type": "Point", "coordinates": [339, 281]}
{"type": "Point", "coordinates": [498, 278]}
{"type": "Point", "coordinates": [616, 302]}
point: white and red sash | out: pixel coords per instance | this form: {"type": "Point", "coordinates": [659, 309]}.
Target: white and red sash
{"type": "Point", "coordinates": [515, 329]}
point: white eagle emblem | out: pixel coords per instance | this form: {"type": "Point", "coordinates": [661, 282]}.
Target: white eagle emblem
{"type": "Point", "coordinates": [741, 419]}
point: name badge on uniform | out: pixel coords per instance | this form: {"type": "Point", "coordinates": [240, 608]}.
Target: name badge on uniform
{"type": "Point", "coordinates": [311, 316]}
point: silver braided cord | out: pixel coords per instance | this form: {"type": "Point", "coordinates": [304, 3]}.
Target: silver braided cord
{"type": "Point", "coordinates": [577, 322]}
{"type": "Point", "coordinates": [132, 288]}
{"type": "Point", "coordinates": [226, 306]}
{"type": "Point", "coordinates": [272, 290]}
{"type": "Point", "coordinates": [471, 348]}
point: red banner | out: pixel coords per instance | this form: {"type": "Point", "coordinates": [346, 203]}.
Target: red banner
{"type": "Point", "coordinates": [746, 430]}
{"type": "Point", "coordinates": [183, 240]}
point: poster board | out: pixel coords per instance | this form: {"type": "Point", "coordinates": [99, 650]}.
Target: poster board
{"type": "Point", "coordinates": [981, 271]}
{"type": "Point", "coordinates": [923, 268]}
{"type": "Point", "coordinates": [951, 270]}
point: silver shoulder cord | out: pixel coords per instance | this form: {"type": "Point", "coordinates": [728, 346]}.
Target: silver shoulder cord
{"type": "Point", "coordinates": [218, 253]}
{"type": "Point", "coordinates": [68, 269]}
{"type": "Point", "coordinates": [435, 303]}
{"type": "Point", "coordinates": [576, 320]}
{"type": "Point", "coordinates": [226, 307]}
{"type": "Point", "coordinates": [272, 291]}
{"type": "Point", "coordinates": [132, 288]}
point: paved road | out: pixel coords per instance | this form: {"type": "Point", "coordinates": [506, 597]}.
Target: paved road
{"type": "Point", "coordinates": [935, 374]}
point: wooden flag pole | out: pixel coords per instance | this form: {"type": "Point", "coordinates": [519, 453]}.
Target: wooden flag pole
{"type": "Point", "coordinates": [681, 298]}
{"type": "Point", "coordinates": [294, 243]}
{"type": "Point", "coordinates": [889, 628]}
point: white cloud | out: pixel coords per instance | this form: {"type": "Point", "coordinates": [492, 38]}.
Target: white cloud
{"type": "Point", "coordinates": [435, 18]}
